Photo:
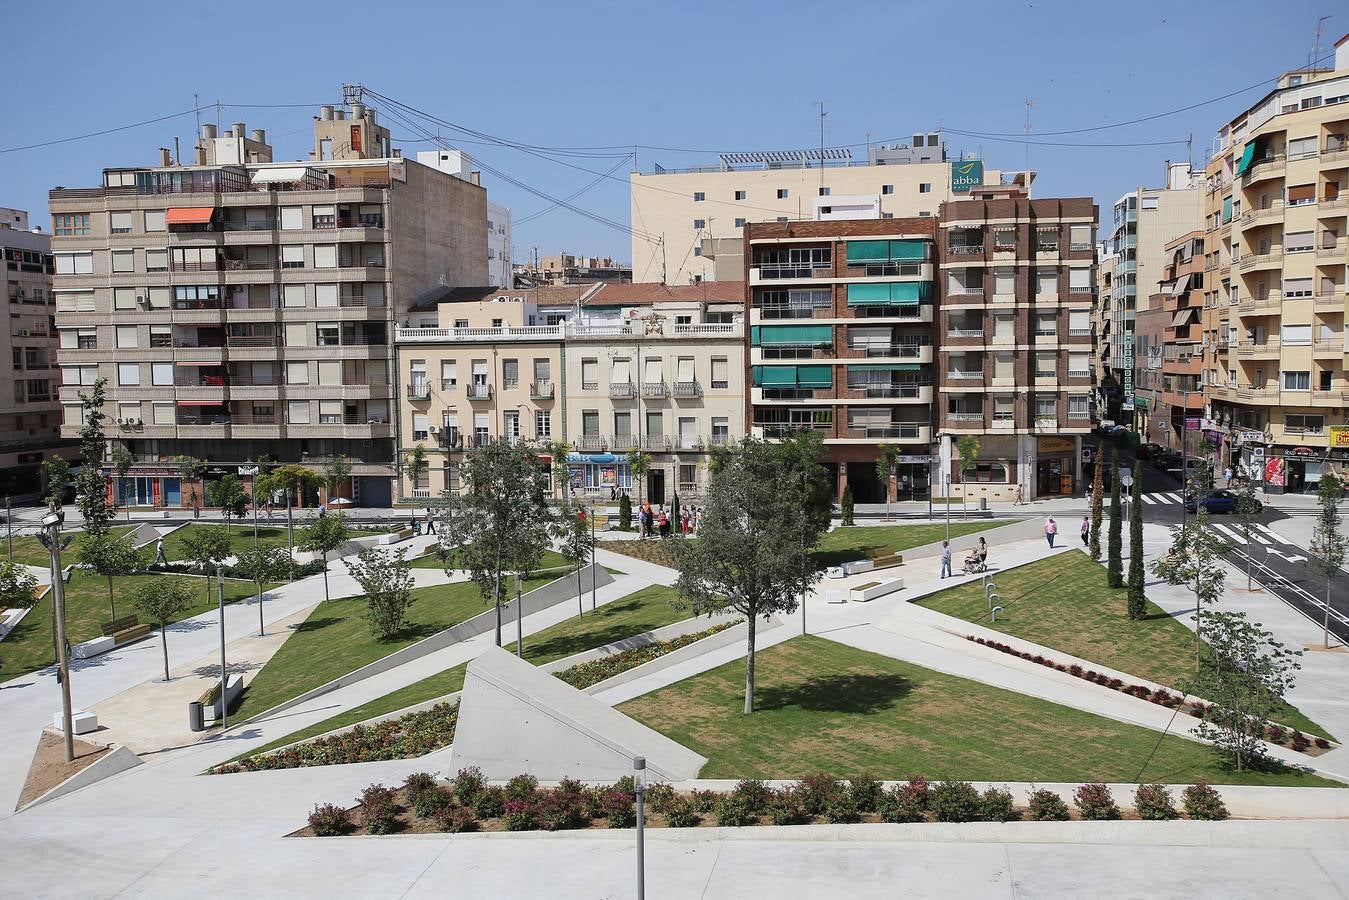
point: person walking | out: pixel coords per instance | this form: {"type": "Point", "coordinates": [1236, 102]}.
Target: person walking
{"type": "Point", "coordinates": [1051, 529]}
{"type": "Point", "coordinates": [945, 558]}
{"type": "Point", "coordinates": [160, 558]}
{"type": "Point", "coordinates": [1086, 530]}
{"type": "Point", "coordinates": [430, 522]}
{"type": "Point", "coordinates": [1020, 500]}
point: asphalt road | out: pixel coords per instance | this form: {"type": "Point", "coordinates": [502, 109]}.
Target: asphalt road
{"type": "Point", "coordinates": [1283, 569]}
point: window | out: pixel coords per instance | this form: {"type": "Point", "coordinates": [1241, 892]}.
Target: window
{"type": "Point", "coordinates": [742, 195]}
{"type": "Point", "coordinates": [1297, 287]}
{"type": "Point", "coordinates": [292, 256]}
{"type": "Point", "coordinates": [1079, 237]}
{"type": "Point", "coordinates": [986, 473]}
{"type": "Point", "coordinates": [1079, 365]}
{"type": "Point", "coordinates": [590, 374]}
{"type": "Point", "coordinates": [1047, 281]}
{"type": "Point", "coordinates": [156, 260]}
{"type": "Point", "coordinates": [622, 425]}
{"type": "Point", "coordinates": [297, 412]}
{"type": "Point", "coordinates": [699, 224]}
{"type": "Point", "coordinates": [162, 413]}
{"type": "Point", "coordinates": [887, 215]}
{"type": "Point", "coordinates": [1045, 362]}
{"type": "Point", "coordinates": [449, 374]}
{"type": "Point", "coordinates": [1046, 324]}
{"type": "Point", "coordinates": [721, 430]}
{"type": "Point", "coordinates": [1004, 282]}
{"type": "Point", "coordinates": [924, 188]}
{"type": "Point", "coordinates": [1079, 406]}
{"type": "Point", "coordinates": [123, 298]}
{"type": "Point", "coordinates": [887, 189]}
{"type": "Point", "coordinates": [292, 295]}
{"type": "Point", "coordinates": [79, 375]}
{"type": "Point", "coordinates": [739, 223]}
{"type": "Point", "coordinates": [420, 429]}
{"type": "Point", "coordinates": [330, 373]}
{"type": "Point", "coordinates": [590, 422]}
{"type": "Point", "coordinates": [510, 374]}
{"type": "Point", "coordinates": [292, 218]}
{"type": "Point", "coordinates": [478, 372]}
{"type": "Point", "coordinates": [74, 263]}
{"type": "Point", "coordinates": [1004, 239]}
{"type": "Point", "coordinates": [1079, 280]}
{"type": "Point", "coordinates": [161, 374]}
{"type": "Point", "coordinates": [1300, 147]}
{"type": "Point", "coordinates": [654, 423]}
{"type": "Point", "coordinates": [119, 222]}
{"type": "Point", "coordinates": [687, 431]}
{"type": "Point", "coordinates": [326, 334]}
{"type": "Point", "coordinates": [782, 193]}
{"type": "Point", "coordinates": [699, 196]}
{"type": "Point", "coordinates": [126, 336]}
{"type": "Point", "coordinates": [1301, 194]}
{"type": "Point", "coordinates": [154, 220]}
{"type": "Point", "coordinates": [824, 192]}
{"type": "Point", "coordinates": [1149, 202]}
{"type": "Point", "coordinates": [697, 251]}
{"type": "Point", "coordinates": [128, 374]}
{"type": "Point", "coordinates": [543, 424]}
{"type": "Point", "coordinates": [481, 428]}
{"type": "Point", "coordinates": [1046, 408]}
{"type": "Point", "coordinates": [297, 372]}
{"type": "Point", "coordinates": [70, 224]}
{"type": "Point", "coordinates": [1297, 381]}
{"type": "Point", "coordinates": [1079, 322]}
{"type": "Point", "coordinates": [1295, 334]}
{"type": "Point", "coordinates": [159, 298]}
{"type": "Point", "coordinates": [325, 256]}
{"type": "Point", "coordinates": [1300, 424]}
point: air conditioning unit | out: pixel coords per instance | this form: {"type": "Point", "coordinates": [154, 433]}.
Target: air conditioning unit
{"type": "Point", "coordinates": [134, 422]}
{"type": "Point", "coordinates": [142, 300]}
{"type": "Point", "coordinates": [435, 429]}
{"type": "Point", "coordinates": [122, 422]}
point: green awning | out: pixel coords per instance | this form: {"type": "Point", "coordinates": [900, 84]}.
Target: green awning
{"type": "Point", "coordinates": [815, 376]}
{"type": "Point", "coordinates": [900, 292]}
{"type": "Point", "coordinates": [868, 251]}
{"type": "Point", "coordinates": [885, 367]}
{"type": "Point", "coordinates": [1227, 210]}
{"type": "Point", "coordinates": [868, 295]}
{"type": "Point", "coordinates": [1247, 155]}
{"type": "Point", "coordinates": [910, 291]}
{"type": "Point", "coordinates": [774, 376]}
{"type": "Point", "coordinates": [909, 249]}
{"type": "Point", "coordinates": [791, 335]}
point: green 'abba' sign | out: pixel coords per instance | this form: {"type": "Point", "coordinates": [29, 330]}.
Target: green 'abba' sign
{"type": "Point", "coordinates": [965, 175]}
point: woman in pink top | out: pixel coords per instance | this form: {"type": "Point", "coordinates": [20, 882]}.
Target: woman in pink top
{"type": "Point", "coordinates": [1051, 529]}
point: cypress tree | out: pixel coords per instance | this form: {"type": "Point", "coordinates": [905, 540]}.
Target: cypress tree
{"type": "Point", "coordinates": [1115, 561]}
{"type": "Point", "coordinates": [1138, 603]}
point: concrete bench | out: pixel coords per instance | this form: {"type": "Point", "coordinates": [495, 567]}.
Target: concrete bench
{"type": "Point", "coordinates": [210, 701]}
{"type": "Point", "coordinates": [81, 722]}
{"type": "Point", "coordinates": [90, 649]}
{"type": "Point", "coordinates": [871, 590]}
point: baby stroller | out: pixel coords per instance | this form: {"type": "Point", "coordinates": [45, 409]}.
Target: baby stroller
{"type": "Point", "coordinates": [976, 563]}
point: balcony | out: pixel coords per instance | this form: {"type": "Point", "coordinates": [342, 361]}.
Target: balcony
{"type": "Point", "coordinates": [1261, 394]}
{"type": "Point", "coordinates": [253, 340]}
{"type": "Point", "coordinates": [1271, 166]}
{"type": "Point", "coordinates": [1333, 251]}
{"type": "Point", "coordinates": [798, 311]}
{"type": "Point", "coordinates": [591, 442]}
{"type": "Point", "coordinates": [1335, 156]}
{"type": "Point", "coordinates": [964, 249]}
{"type": "Point", "coordinates": [687, 390]}
{"type": "Point", "coordinates": [622, 443]}
{"type": "Point", "coordinates": [1333, 302]}
{"type": "Point", "coordinates": [965, 375]}
{"type": "Point", "coordinates": [903, 431]}
{"type": "Point", "coordinates": [1267, 305]}
{"type": "Point", "coordinates": [959, 334]}
{"type": "Point", "coordinates": [480, 392]}
{"type": "Point", "coordinates": [888, 391]}
{"type": "Point", "coordinates": [786, 272]}
{"type": "Point", "coordinates": [1332, 347]}
{"type": "Point", "coordinates": [1272, 259]}
{"type": "Point", "coordinates": [621, 390]}
{"type": "Point", "coordinates": [654, 390]}
{"type": "Point", "coordinates": [419, 390]}
{"type": "Point", "coordinates": [1266, 214]}
{"type": "Point", "coordinates": [1268, 348]}
{"type": "Point", "coordinates": [654, 442]}
{"type": "Point", "coordinates": [541, 390]}
{"type": "Point", "coordinates": [503, 333]}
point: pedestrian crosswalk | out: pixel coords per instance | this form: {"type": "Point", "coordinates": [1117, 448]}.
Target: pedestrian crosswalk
{"type": "Point", "coordinates": [1259, 534]}
{"type": "Point", "coordinates": [1162, 497]}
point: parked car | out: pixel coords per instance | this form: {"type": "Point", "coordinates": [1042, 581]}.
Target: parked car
{"type": "Point", "coordinates": [1145, 451]}
{"type": "Point", "coordinates": [1166, 460]}
{"type": "Point", "coordinates": [1216, 501]}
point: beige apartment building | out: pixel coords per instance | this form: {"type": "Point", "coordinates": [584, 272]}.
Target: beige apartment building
{"type": "Point", "coordinates": [241, 309]}
{"type": "Point", "coordinates": [30, 412]}
{"type": "Point", "coordinates": [689, 223]}
{"type": "Point", "coordinates": [1277, 202]}
{"type": "Point", "coordinates": [618, 368]}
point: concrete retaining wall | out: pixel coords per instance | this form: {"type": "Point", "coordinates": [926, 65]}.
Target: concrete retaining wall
{"type": "Point", "coordinates": [664, 633]}
{"type": "Point", "coordinates": [1022, 530]}
{"type": "Point", "coordinates": [536, 600]}
{"type": "Point", "coordinates": [118, 760]}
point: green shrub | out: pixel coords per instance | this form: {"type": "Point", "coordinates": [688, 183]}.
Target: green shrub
{"type": "Point", "coordinates": [704, 801]}
{"type": "Point", "coordinates": [617, 807]}
{"type": "Point", "coordinates": [679, 812]}
{"type": "Point", "coordinates": [379, 810]}
{"type": "Point", "coordinates": [1202, 802]}
{"type": "Point", "coordinates": [955, 801]}
{"type": "Point", "coordinates": [518, 815]}
{"type": "Point", "coordinates": [488, 803]}
{"type": "Point", "coordinates": [560, 810]}
{"type": "Point", "coordinates": [996, 806]}
{"type": "Point", "coordinates": [1095, 803]}
{"type": "Point", "coordinates": [733, 811]}
{"type": "Point", "coordinates": [330, 820]}
{"type": "Point", "coordinates": [817, 790]}
{"type": "Point", "coordinates": [755, 795]}
{"type": "Point", "coordinates": [521, 787]}
{"type": "Point", "coordinates": [456, 819]}
{"type": "Point", "coordinates": [416, 783]}
{"type": "Point", "coordinates": [1046, 806]}
{"type": "Point", "coordinates": [919, 789]}
{"type": "Point", "coordinates": [899, 804]}
{"type": "Point", "coordinates": [785, 807]}
{"type": "Point", "coordinates": [847, 505]}
{"type": "Point", "coordinates": [842, 809]}
{"type": "Point", "coordinates": [624, 512]}
{"type": "Point", "coordinates": [468, 783]}
{"type": "Point", "coordinates": [659, 796]}
{"type": "Point", "coordinates": [1153, 802]}
{"type": "Point", "coordinates": [428, 803]}
{"type": "Point", "coordinates": [866, 793]}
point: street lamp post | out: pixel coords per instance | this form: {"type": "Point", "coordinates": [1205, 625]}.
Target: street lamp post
{"type": "Point", "coordinates": [224, 679]}
{"type": "Point", "coordinates": [593, 574]}
{"type": "Point", "coordinates": [51, 536]}
{"type": "Point", "coordinates": [639, 789]}
{"type": "Point", "coordinates": [9, 528]}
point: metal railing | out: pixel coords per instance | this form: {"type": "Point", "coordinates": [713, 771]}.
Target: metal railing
{"type": "Point", "coordinates": [687, 389]}
{"type": "Point", "coordinates": [654, 389]}
{"type": "Point", "coordinates": [965, 416]}
{"type": "Point", "coordinates": [541, 390]}
{"type": "Point", "coordinates": [965, 374]}
{"type": "Point", "coordinates": [480, 392]}
{"type": "Point", "coordinates": [909, 391]}
{"type": "Point", "coordinates": [419, 390]}
{"type": "Point", "coordinates": [964, 332]}
{"type": "Point", "coordinates": [620, 390]}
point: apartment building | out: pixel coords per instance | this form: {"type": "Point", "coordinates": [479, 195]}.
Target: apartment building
{"type": "Point", "coordinates": [567, 268]}
{"type": "Point", "coordinates": [607, 368]}
{"type": "Point", "coordinates": [1102, 323]}
{"type": "Point", "coordinates": [1145, 220]}
{"type": "Point", "coordinates": [30, 412]}
{"type": "Point", "coordinates": [690, 222]}
{"type": "Point", "coordinates": [499, 246]}
{"type": "Point", "coordinates": [841, 341]}
{"type": "Point", "coordinates": [242, 309]}
{"type": "Point", "coordinates": [1170, 344]}
{"type": "Point", "coordinates": [1015, 341]}
{"type": "Point", "coordinates": [1278, 198]}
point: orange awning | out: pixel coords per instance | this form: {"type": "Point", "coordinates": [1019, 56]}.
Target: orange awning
{"type": "Point", "coordinates": [189, 215]}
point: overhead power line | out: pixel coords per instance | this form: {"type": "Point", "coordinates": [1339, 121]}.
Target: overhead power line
{"type": "Point", "coordinates": [81, 137]}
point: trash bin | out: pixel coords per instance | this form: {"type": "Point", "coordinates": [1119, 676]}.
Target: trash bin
{"type": "Point", "coordinates": [983, 503]}
{"type": "Point", "coordinates": [195, 721]}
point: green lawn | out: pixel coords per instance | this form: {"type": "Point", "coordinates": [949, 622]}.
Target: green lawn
{"type": "Point", "coordinates": [640, 611]}
{"type": "Point", "coordinates": [29, 646]}
{"type": "Point", "coordinates": [551, 559]}
{"type": "Point", "coordinates": [29, 550]}
{"type": "Point", "coordinates": [336, 639]}
{"type": "Point", "coordinates": [846, 544]}
{"type": "Point", "coordinates": [1065, 603]}
{"type": "Point", "coordinates": [826, 707]}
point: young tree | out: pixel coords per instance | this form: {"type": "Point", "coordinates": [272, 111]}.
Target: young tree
{"type": "Point", "coordinates": [1328, 540]}
{"type": "Point", "coordinates": [228, 493]}
{"type": "Point", "coordinates": [191, 470]}
{"type": "Point", "coordinates": [639, 461]}
{"type": "Point", "coordinates": [848, 506]}
{"type": "Point", "coordinates": [293, 479]}
{"type": "Point", "coordinates": [1138, 601]}
{"type": "Point", "coordinates": [58, 480]}
{"type": "Point", "coordinates": [1245, 676]}
{"type": "Point", "coordinates": [91, 489]}
{"type": "Point", "coordinates": [110, 556]}
{"type": "Point", "coordinates": [1195, 561]}
{"type": "Point", "coordinates": [162, 601]}
{"type": "Point", "coordinates": [1097, 504]}
{"type": "Point", "coordinates": [499, 525]}
{"type": "Point", "coordinates": [386, 582]}
{"type": "Point", "coordinates": [1114, 569]}
{"type": "Point", "coordinates": [624, 512]}
{"type": "Point", "coordinates": [573, 530]}
{"type": "Point", "coordinates": [324, 535]}
{"type": "Point", "coordinates": [265, 564]}
{"type": "Point", "coordinates": [207, 547]}
{"type": "Point", "coordinates": [18, 588]}
{"type": "Point", "coordinates": [1203, 472]}
{"type": "Point", "coordinates": [887, 458]}
{"type": "Point", "coordinates": [120, 458]}
{"type": "Point", "coordinates": [416, 466]}
{"type": "Point", "coordinates": [560, 450]}
{"type": "Point", "coordinates": [759, 523]}
{"type": "Point", "coordinates": [1248, 513]}
{"type": "Point", "coordinates": [336, 471]}
{"type": "Point", "coordinates": [967, 448]}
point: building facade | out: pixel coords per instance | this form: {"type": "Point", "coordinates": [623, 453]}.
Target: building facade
{"type": "Point", "coordinates": [242, 310]}
{"type": "Point", "coordinates": [30, 410]}
{"type": "Point", "coordinates": [499, 237]}
{"type": "Point", "coordinates": [1278, 198]}
{"type": "Point", "coordinates": [619, 368]}
{"type": "Point", "coordinates": [1170, 344]}
{"type": "Point", "coordinates": [691, 221]}
{"type": "Point", "coordinates": [1017, 279]}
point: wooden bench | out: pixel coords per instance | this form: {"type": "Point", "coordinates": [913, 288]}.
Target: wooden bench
{"type": "Point", "coordinates": [125, 630]}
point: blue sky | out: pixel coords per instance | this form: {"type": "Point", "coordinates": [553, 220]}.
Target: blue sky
{"type": "Point", "coordinates": [700, 75]}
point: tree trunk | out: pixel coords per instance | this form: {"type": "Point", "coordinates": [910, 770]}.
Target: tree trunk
{"type": "Point", "coordinates": [113, 606]}
{"type": "Point", "coordinates": [1198, 641]}
{"type": "Point", "coordinates": [261, 628]}
{"type": "Point", "coordinates": [164, 642]}
{"type": "Point", "coordinates": [580, 593]}
{"type": "Point", "coordinates": [325, 578]}
{"type": "Point", "coordinates": [1325, 634]}
{"type": "Point", "coordinates": [496, 593]}
{"type": "Point", "coordinates": [749, 669]}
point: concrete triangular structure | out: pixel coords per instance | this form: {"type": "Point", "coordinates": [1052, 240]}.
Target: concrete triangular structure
{"type": "Point", "coordinates": [517, 719]}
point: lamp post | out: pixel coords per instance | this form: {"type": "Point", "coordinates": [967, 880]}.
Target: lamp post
{"type": "Point", "coordinates": [9, 528]}
{"type": "Point", "coordinates": [51, 537]}
{"type": "Point", "coordinates": [519, 627]}
{"type": "Point", "coordinates": [224, 698]}
{"type": "Point", "coordinates": [593, 574]}
{"type": "Point", "coordinates": [639, 788]}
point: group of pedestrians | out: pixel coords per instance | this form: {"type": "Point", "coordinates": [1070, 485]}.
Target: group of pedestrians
{"type": "Point", "coordinates": [658, 522]}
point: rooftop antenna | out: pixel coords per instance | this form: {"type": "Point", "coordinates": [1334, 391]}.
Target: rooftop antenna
{"type": "Point", "coordinates": [1030, 104]}
{"type": "Point", "coordinates": [196, 136]}
{"type": "Point", "coordinates": [1316, 47]}
{"type": "Point", "coordinates": [820, 103]}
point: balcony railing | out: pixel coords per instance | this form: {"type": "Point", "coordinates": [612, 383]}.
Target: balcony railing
{"type": "Point", "coordinates": [965, 375]}
{"type": "Point", "coordinates": [687, 389]}
{"type": "Point", "coordinates": [419, 390]}
{"type": "Point", "coordinates": [768, 272]}
{"type": "Point", "coordinates": [325, 421]}
{"type": "Point", "coordinates": [904, 431]}
{"type": "Point", "coordinates": [480, 392]}
{"type": "Point", "coordinates": [909, 391]}
{"type": "Point", "coordinates": [965, 416]}
{"type": "Point", "coordinates": [620, 390]}
{"type": "Point", "coordinates": [964, 332]}
{"type": "Point", "coordinates": [253, 340]}
{"type": "Point", "coordinates": [541, 390]}
{"type": "Point", "coordinates": [591, 442]}
{"type": "Point", "coordinates": [654, 389]}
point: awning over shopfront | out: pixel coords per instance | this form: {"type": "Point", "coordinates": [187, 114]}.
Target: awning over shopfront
{"type": "Point", "coordinates": [189, 215]}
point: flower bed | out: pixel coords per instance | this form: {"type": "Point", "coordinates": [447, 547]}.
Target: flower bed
{"type": "Point", "coordinates": [468, 803]}
{"type": "Point", "coordinates": [583, 675]}
{"type": "Point", "coordinates": [407, 737]}
{"type": "Point", "coordinates": [660, 551]}
{"type": "Point", "coordinates": [1284, 737]}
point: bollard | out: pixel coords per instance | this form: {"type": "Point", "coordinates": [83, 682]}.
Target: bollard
{"type": "Point", "coordinates": [993, 597]}
{"type": "Point", "coordinates": [996, 610]}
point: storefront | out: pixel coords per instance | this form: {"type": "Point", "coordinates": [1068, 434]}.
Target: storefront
{"type": "Point", "coordinates": [913, 477]}
{"type": "Point", "coordinates": [604, 475]}
{"type": "Point", "coordinates": [1055, 466]}
{"type": "Point", "coordinates": [148, 487]}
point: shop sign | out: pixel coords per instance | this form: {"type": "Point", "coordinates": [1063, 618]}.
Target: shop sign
{"type": "Point", "coordinates": [1191, 424]}
{"type": "Point", "coordinates": [1128, 371]}
{"type": "Point", "coordinates": [1300, 451]}
{"type": "Point", "coordinates": [915, 460]}
{"type": "Point", "coordinates": [1141, 402]}
{"type": "Point", "coordinates": [965, 175]}
{"type": "Point", "coordinates": [248, 470]}
{"type": "Point", "coordinates": [1056, 445]}
{"type": "Point", "coordinates": [1339, 436]}
{"type": "Point", "coordinates": [1258, 437]}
